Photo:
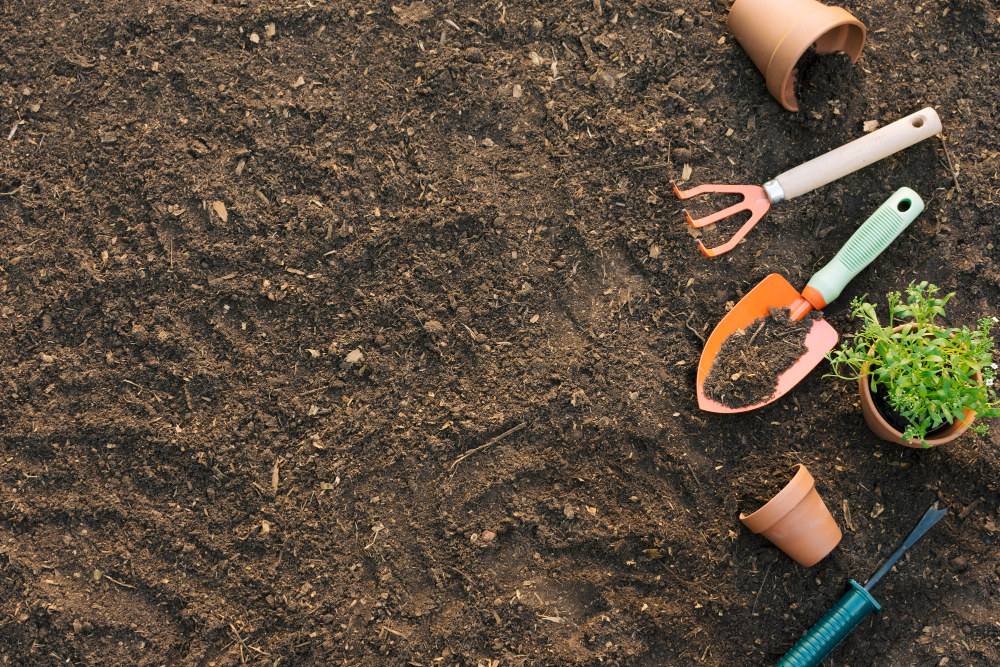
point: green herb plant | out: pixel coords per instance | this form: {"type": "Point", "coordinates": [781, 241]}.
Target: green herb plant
{"type": "Point", "coordinates": [928, 371]}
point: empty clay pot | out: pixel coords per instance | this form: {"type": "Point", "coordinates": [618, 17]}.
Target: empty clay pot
{"type": "Point", "coordinates": [883, 429]}
{"type": "Point", "coordinates": [796, 521]}
{"type": "Point", "coordinates": [775, 34]}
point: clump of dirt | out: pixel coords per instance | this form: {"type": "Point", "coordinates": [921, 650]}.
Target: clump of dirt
{"type": "Point", "coordinates": [750, 361]}
{"type": "Point", "coordinates": [822, 81]}
{"type": "Point", "coordinates": [758, 492]}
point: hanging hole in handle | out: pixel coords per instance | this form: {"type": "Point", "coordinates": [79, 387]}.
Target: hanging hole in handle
{"type": "Point", "coordinates": [917, 122]}
{"type": "Point", "coordinates": [903, 206]}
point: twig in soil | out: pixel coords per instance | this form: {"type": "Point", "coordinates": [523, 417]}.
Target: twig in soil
{"type": "Point", "coordinates": [118, 582]}
{"type": "Point", "coordinates": [759, 329]}
{"type": "Point", "coordinates": [695, 331]}
{"type": "Point", "coordinates": [12, 192]}
{"type": "Point", "coordinates": [694, 475]}
{"type": "Point", "coordinates": [951, 167]}
{"type": "Point", "coordinates": [761, 589]}
{"type": "Point", "coordinates": [968, 510]}
{"type": "Point", "coordinates": [482, 447]}
{"type": "Point", "coordinates": [313, 391]}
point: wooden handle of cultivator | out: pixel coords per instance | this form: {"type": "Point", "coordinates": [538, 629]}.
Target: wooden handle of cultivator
{"type": "Point", "coordinates": [860, 153]}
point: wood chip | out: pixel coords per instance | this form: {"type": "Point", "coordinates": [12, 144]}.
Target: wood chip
{"type": "Point", "coordinates": [870, 125]}
{"type": "Point", "coordinates": [269, 30]}
{"type": "Point", "coordinates": [295, 271]}
{"type": "Point", "coordinates": [964, 513]}
{"type": "Point", "coordinates": [847, 516]}
{"type": "Point", "coordinates": [686, 172]}
{"type": "Point", "coordinates": [220, 210]}
{"type": "Point", "coordinates": [299, 82]}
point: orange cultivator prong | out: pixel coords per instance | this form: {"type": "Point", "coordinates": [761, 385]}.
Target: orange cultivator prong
{"type": "Point", "coordinates": [755, 200]}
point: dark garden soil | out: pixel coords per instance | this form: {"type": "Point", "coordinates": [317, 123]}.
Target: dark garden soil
{"type": "Point", "coordinates": [750, 361]}
{"type": "Point", "coordinates": [269, 270]}
{"type": "Point", "coordinates": [756, 490]}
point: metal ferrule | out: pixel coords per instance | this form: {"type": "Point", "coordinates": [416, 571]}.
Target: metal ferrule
{"type": "Point", "coordinates": [774, 191]}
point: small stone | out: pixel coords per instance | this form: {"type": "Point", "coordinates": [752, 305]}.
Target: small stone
{"type": "Point", "coordinates": [569, 512]}
{"type": "Point", "coordinates": [434, 327]}
{"type": "Point", "coordinates": [487, 536]}
{"type": "Point", "coordinates": [464, 314]}
{"type": "Point", "coordinates": [474, 55]}
{"type": "Point", "coordinates": [681, 155]}
{"type": "Point", "coordinates": [959, 564]}
{"type": "Point", "coordinates": [354, 357]}
{"type": "Point", "coordinates": [517, 91]}
{"type": "Point", "coordinates": [46, 358]}
{"type": "Point", "coordinates": [380, 340]}
{"type": "Point", "coordinates": [140, 335]}
{"type": "Point", "coordinates": [488, 142]}
{"type": "Point", "coordinates": [255, 38]}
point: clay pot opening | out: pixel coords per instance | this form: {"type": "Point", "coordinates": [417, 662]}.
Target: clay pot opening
{"type": "Point", "coordinates": [797, 521]}
{"type": "Point", "coordinates": [776, 33]}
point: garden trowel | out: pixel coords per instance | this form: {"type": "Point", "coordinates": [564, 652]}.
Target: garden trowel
{"type": "Point", "coordinates": [774, 291]}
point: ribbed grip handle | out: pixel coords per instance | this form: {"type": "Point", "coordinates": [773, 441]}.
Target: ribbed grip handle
{"type": "Point", "coordinates": [839, 622]}
{"type": "Point", "coordinates": [867, 243]}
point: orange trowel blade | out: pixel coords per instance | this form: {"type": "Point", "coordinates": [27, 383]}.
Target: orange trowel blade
{"type": "Point", "coordinates": [772, 292]}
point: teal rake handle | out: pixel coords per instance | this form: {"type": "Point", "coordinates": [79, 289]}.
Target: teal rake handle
{"type": "Point", "coordinates": [871, 238]}
{"type": "Point", "coordinates": [839, 622]}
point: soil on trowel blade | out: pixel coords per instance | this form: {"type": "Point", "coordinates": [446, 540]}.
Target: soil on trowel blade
{"type": "Point", "coordinates": [751, 360]}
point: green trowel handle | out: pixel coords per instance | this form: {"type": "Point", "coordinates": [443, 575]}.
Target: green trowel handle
{"type": "Point", "coordinates": [832, 628]}
{"type": "Point", "coordinates": [867, 243]}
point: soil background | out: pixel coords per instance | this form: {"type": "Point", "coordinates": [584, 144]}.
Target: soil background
{"type": "Point", "coordinates": [261, 288]}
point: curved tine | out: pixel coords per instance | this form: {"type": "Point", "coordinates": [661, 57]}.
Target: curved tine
{"type": "Point", "coordinates": [731, 243]}
{"type": "Point", "coordinates": [746, 190]}
{"type": "Point", "coordinates": [701, 189]}
{"type": "Point", "coordinates": [726, 212]}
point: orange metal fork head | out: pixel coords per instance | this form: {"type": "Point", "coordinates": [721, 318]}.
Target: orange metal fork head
{"type": "Point", "coordinates": [755, 200]}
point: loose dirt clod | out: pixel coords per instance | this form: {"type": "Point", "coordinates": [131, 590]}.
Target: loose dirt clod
{"type": "Point", "coordinates": [750, 361]}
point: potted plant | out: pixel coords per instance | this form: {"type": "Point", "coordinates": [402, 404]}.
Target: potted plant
{"type": "Point", "coordinates": [921, 384]}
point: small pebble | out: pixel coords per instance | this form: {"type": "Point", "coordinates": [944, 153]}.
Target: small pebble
{"type": "Point", "coordinates": [474, 55]}
{"type": "Point", "coordinates": [464, 314]}
{"type": "Point", "coordinates": [434, 327]}
{"type": "Point", "coordinates": [959, 564]}
{"type": "Point", "coordinates": [487, 536]}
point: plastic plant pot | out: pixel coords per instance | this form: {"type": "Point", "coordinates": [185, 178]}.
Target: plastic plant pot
{"type": "Point", "coordinates": [797, 521]}
{"type": "Point", "coordinates": [775, 34]}
{"type": "Point", "coordinates": [883, 429]}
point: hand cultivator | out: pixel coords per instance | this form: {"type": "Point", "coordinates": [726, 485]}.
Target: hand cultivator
{"type": "Point", "coordinates": [816, 172]}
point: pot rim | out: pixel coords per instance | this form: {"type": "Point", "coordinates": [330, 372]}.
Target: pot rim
{"type": "Point", "coordinates": [782, 503]}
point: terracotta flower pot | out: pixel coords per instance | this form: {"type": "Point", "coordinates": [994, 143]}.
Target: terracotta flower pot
{"type": "Point", "coordinates": [797, 521]}
{"type": "Point", "coordinates": [883, 429]}
{"type": "Point", "coordinates": [775, 34]}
